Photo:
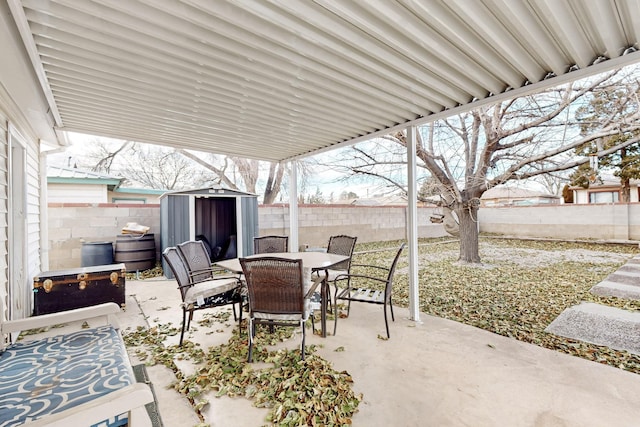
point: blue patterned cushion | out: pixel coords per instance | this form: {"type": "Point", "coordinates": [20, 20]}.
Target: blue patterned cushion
{"type": "Point", "coordinates": [51, 375]}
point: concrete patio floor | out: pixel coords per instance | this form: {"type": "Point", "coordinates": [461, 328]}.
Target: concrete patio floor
{"type": "Point", "coordinates": [433, 373]}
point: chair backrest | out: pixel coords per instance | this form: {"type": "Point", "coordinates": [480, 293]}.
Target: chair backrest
{"type": "Point", "coordinates": [197, 260]}
{"type": "Point", "coordinates": [275, 285]}
{"type": "Point", "coordinates": [270, 244]}
{"type": "Point", "coordinates": [342, 245]}
{"type": "Point", "coordinates": [207, 245]}
{"type": "Point", "coordinates": [173, 258]}
{"type": "Point", "coordinates": [389, 286]}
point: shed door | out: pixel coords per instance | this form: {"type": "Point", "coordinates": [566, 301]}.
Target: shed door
{"type": "Point", "coordinates": [215, 218]}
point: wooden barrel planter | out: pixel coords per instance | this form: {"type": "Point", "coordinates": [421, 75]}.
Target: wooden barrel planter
{"type": "Point", "coordinates": [96, 253]}
{"type": "Point", "coordinates": [136, 252]}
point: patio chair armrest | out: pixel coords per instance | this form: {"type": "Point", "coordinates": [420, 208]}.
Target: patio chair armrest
{"type": "Point", "coordinates": [371, 266]}
{"type": "Point", "coordinates": [357, 276]}
{"type": "Point", "coordinates": [107, 311]}
{"type": "Point", "coordinates": [316, 282]}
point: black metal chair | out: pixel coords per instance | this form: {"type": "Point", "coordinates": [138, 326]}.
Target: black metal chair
{"type": "Point", "coordinates": [356, 289]}
{"type": "Point", "coordinates": [270, 244]}
{"type": "Point", "coordinates": [277, 295]}
{"type": "Point", "coordinates": [199, 290]}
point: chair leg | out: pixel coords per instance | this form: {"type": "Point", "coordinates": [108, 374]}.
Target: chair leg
{"type": "Point", "coordinates": [303, 338]}
{"type": "Point", "coordinates": [313, 324]}
{"type": "Point", "coordinates": [386, 322]}
{"type": "Point", "coordinates": [251, 331]}
{"type": "Point", "coordinates": [391, 307]}
{"type": "Point", "coordinates": [336, 313]}
{"type": "Point", "coordinates": [190, 319]}
{"type": "Point", "coordinates": [184, 322]}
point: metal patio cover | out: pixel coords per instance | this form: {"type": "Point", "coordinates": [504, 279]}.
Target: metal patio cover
{"type": "Point", "coordinates": [276, 80]}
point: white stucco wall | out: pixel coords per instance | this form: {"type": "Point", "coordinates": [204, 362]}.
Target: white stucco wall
{"type": "Point", "coordinates": [77, 193]}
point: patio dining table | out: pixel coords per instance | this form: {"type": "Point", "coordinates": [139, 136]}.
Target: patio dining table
{"type": "Point", "coordinates": [316, 261]}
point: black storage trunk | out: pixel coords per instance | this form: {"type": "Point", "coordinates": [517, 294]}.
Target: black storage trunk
{"type": "Point", "coordinates": [62, 290]}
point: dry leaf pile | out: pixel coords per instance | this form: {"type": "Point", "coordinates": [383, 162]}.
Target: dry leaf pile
{"type": "Point", "coordinates": [297, 392]}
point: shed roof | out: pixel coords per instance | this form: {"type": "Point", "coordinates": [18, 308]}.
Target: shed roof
{"type": "Point", "coordinates": [278, 80]}
{"type": "Point", "coordinates": [214, 191]}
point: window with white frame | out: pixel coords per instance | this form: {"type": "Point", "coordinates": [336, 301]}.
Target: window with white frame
{"type": "Point", "coordinates": [604, 197]}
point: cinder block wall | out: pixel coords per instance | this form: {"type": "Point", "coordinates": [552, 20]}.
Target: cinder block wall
{"type": "Point", "coordinates": [620, 221]}
{"type": "Point", "coordinates": [369, 223]}
{"type": "Point", "coordinates": [71, 224]}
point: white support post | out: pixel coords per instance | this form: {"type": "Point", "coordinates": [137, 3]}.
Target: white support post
{"type": "Point", "coordinates": [412, 224]}
{"type": "Point", "coordinates": [293, 207]}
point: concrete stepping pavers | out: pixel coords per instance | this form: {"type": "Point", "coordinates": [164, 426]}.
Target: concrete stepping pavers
{"type": "Point", "coordinates": [599, 324]}
{"type": "Point", "coordinates": [623, 283]}
{"type": "Point", "coordinates": [603, 325]}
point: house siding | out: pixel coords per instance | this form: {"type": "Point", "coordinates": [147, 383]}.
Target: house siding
{"type": "Point", "coordinates": [10, 117]}
{"type": "Point", "coordinates": [4, 209]}
{"type": "Point", "coordinates": [33, 213]}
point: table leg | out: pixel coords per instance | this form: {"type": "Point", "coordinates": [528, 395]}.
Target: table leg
{"type": "Point", "coordinates": [323, 306]}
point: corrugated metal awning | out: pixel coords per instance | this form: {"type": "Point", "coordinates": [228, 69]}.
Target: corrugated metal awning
{"type": "Point", "coordinates": [276, 80]}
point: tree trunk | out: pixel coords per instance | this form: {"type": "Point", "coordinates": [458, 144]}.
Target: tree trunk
{"type": "Point", "coordinates": [625, 191]}
{"type": "Point", "coordinates": [469, 248]}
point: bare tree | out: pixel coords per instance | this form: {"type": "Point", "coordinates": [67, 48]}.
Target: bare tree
{"type": "Point", "coordinates": [518, 139]}
{"type": "Point", "coordinates": [159, 167]}
{"type": "Point", "coordinates": [248, 171]}
{"type": "Point", "coordinates": [102, 155]}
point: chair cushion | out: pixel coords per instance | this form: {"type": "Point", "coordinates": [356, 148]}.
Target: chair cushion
{"type": "Point", "coordinates": [53, 374]}
{"type": "Point", "coordinates": [284, 317]}
{"type": "Point", "coordinates": [209, 289]}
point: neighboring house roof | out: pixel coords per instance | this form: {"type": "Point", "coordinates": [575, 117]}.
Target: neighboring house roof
{"type": "Point", "coordinates": [514, 196]}
{"type": "Point", "coordinates": [514, 193]}
{"type": "Point", "coordinates": [66, 175]}
{"type": "Point", "coordinates": [606, 181]}
{"type": "Point", "coordinates": [391, 199]}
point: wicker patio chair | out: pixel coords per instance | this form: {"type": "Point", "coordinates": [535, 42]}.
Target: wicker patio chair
{"type": "Point", "coordinates": [270, 244]}
{"type": "Point", "coordinates": [341, 245]}
{"type": "Point", "coordinates": [276, 291]}
{"type": "Point", "coordinates": [354, 293]}
{"type": "Point", "coordinates": [198, 293]}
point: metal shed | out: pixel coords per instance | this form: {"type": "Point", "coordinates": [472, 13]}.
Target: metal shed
{"type": "Point", "coordinates": [227, 220]}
